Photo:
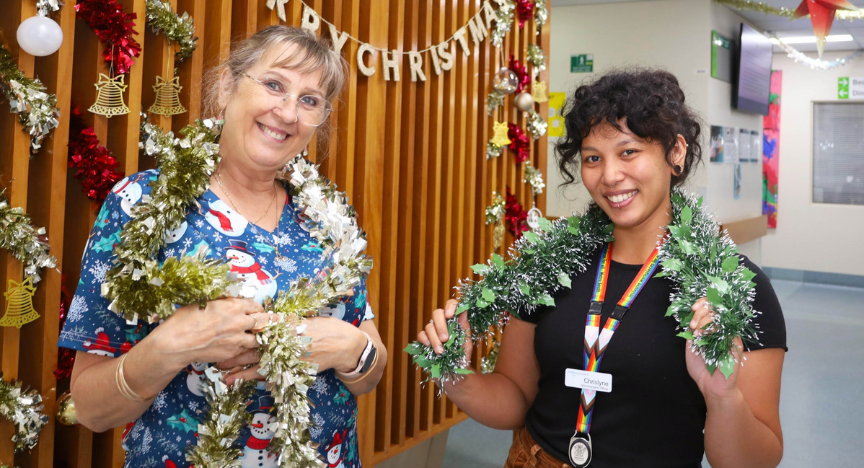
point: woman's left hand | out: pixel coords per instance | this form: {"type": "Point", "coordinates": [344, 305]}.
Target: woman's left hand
{"type": "Point", "coordinates": [716, 385]}
{"type": "Point", "coordinates": [336, 344]}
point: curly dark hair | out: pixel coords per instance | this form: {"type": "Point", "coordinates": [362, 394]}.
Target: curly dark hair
{"type": "Point", "coordinates": [653, 103]}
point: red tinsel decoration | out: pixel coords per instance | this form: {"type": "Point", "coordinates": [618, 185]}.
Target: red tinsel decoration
{"type": "Point", "coordinates": [113, 27]}
{"type": "Point", "coordinates": [517, 218]}
{"type": "Point", "coordinates": [95, 163]}
{"type": "Point", "coordinates": [524, 11]}
{"type": "Point", "coordinates": [522, 72]}
{"type": "Point", "coordinates": [65, 356]}
{"type": "Point", "coordinates": [519, 143]}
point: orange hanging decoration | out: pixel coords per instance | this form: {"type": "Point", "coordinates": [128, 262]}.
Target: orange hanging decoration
{"type": "Point", "coordinates": [19, 304]}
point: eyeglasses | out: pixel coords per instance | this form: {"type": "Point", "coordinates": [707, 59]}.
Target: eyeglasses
{"type": "Point", "coordinates": [312, 110]}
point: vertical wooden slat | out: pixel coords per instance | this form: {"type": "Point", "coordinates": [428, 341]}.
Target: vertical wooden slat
{"type": "Point", "coordinates": [191, 70]}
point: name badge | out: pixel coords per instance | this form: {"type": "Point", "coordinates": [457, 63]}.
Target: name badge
{"type": "Point", "coordinates": [596, 381]}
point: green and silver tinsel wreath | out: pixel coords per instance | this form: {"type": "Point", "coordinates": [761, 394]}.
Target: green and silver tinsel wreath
{"type": "Point", "coordinates": [23, 241]}
{"type": "Point", "coordinates": [699, 260]}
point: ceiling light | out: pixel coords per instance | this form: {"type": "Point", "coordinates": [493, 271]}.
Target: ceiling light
{"type": "Point", "coordinates": [812, 39]}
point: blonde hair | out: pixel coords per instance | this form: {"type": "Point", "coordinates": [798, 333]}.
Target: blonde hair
{"type": "Point", "coordinates": [311, 54]}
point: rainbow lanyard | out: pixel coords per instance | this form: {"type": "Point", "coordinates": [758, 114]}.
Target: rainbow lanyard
{"type": "Point", "coordinates": [596, 341]}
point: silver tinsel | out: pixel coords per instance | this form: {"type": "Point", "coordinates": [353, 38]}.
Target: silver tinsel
{"type": "Point", "coordinates": [534, 177]}
{"type": "Point", "coordinates": [24, 409]}
{"type": "Point", "coordinates": [494, 101]}
{"type": "Point", "coordinates": [541, 14]}
{"type": "Point", "coordinates": [504, 16]}
{"type": "Point", "coordinates": [46, 7]}
{"type": "Point", "coordinates": [495, 211]}
{"type": "Point", "coordinates": [536, 124]}
{"type": "Point", "coordinates": [26, 243]}
{"type": "Point", "coordinates": [36, 108]}
{"type": "Point", "coordinates": [537, 58]}
{"type": "Point", "coordinates": [493, 150]}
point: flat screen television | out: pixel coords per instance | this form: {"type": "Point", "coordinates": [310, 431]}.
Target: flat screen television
{"type": "Point", "coordinates": [751, 84]}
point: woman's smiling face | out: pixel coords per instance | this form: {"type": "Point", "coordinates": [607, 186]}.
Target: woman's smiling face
{"type": "Point", "coordinates": [627, 176]}
{"type": "Point", "coordinates": [262, 128]}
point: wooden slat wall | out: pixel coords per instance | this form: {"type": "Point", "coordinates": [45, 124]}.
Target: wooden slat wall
{"type": "Point", "coordinates": [411, 155]}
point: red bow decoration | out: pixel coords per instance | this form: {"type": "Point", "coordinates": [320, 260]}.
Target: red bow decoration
{"type": "Point", "coordinates": [822, 16]}
{"type": "Point", "coordinates": [523, 9]}
{"type": "Point", "coordinates": [113, 27]}
{"type": "Point", "coordinates": [517, 218]}
{"type": "Point", "coordinates": [95, 163]}
{"type": "Point", "coordinates": [522, 72]}
{"type": "Point", "coordinates": [519, 143]}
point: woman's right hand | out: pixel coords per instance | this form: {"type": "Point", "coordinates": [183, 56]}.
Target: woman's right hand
{"type": "Point", "coordinates": [436, 333]}
{"type": "Point", "coordinates": [221, 331]}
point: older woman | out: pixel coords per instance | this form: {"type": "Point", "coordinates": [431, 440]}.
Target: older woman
{"type": "Point", "coordinates": [273, 93]}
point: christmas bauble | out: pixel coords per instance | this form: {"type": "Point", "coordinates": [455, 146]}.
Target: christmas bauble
{"type": "Point", "coordinates": [66, 410]}
{"type": "Point", "coordinates": [505, 81]}
{"type": "Point", "coordinates": [524, 102]}
{"type": "Point", "coordinates": [40, 36]}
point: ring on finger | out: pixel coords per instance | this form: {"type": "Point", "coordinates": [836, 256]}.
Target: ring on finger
{"type": "Point", "coordinates": [255, 324]}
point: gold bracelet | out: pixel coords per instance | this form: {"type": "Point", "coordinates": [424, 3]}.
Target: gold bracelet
{"type": "Point", "coordinates": [123, 386]}
{"type": "Point", "coordinates": [365, 374]}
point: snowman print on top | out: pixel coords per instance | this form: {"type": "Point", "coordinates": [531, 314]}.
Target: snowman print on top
{"type": "Point", "coordinates": [195, 379]}
{"type": "Point", "coordinates": [255, 454]}
{"type": "Point", "coordinates": [334, 451]}
{"type": "Point", "coordinates": [129, 193]}
{"type": "Point", "coordinates": [260, 283]}
{"type": "Point", "coordinates": [224, 219]}
{"type": "Point", "coordinates": [174, 235]}
{"type": "Point", "coordinates": [102, 346]}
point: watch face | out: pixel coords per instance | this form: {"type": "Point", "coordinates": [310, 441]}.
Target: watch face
{"type": "Point", "coordinates": [369, 360]}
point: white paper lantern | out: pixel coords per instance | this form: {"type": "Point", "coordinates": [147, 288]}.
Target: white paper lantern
{"type": "Point", "coordinates": [40, 36]}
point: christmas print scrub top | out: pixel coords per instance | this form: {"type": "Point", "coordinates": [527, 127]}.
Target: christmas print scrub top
{"type": "Point", "coordinates": [159, 438]}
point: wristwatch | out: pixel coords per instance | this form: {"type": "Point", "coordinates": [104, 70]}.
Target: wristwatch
{"type": "Point", "coordinates": [367, 359]}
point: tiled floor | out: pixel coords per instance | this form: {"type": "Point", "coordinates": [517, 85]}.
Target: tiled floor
{"type": "Point", "coordinates": [822, 404]}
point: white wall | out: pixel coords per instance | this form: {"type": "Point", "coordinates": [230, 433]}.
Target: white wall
{"type": "Point", "coordinates": [674, 35]}
{"type": "Point", "coordinates": [810, 236]}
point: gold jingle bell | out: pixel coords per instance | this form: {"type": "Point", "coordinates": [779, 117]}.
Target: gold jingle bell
{"type": "Point", "coordinates": [66, 414]}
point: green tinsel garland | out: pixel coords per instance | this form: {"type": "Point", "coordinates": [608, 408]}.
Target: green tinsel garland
{"type": "Point", "coordinates": [534, 178]}
{"type": "Point", "coordinates": [25, 242]}
{"type": "Point", "coordinates": [177, 28]}
{"type": "Point", "coordinates": [537, 58]}
{"type": "Point", "coordinates": [24, 409]}
{"type": "Point", "coordinates": [36, 108]}
{"type": "Point", "coordinates": [541, 14]}
{"type": "Point", "coordinates": [504, 16]}
{"type": "Point", "coordinates": [701, 263]}
{"type": "Point", "coordinates": [536, 124]}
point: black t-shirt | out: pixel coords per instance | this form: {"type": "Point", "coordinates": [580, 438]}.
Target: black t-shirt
{"type": "Point", "coordinates": [655, 414]}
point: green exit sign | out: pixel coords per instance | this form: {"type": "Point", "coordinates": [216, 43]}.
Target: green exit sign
{"type": "Point", "coordinates": [583, 63]}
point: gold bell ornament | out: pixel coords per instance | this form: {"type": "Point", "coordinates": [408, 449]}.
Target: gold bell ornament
{"type": "Point", "coordinates": [109, 100]}
{"type": "Point", "coordinates": [167, 97]}
{"type": "Point", "coordinates": [19, 304]}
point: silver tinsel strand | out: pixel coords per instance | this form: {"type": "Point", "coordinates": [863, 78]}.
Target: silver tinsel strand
{"type": "Point", "coordinates": [536, 124]}
{"type": "Point", "coordinates": [534, 177]}
{"type": "Point", "coordinates": [24, 409]}
{"type": "Point", "coordinates": [36, 108]}
{"type": "Point", "coordinates": [23, 241]}
{"type": "Point", "coordinates": [537, 58]}
{"type": "Point", "coordinates": [177, 28]}
{"type": "Point", "coordinates": [504, 16]}
{"type": "Point", "coordinates": [495, 211]}
{"type": "Point", "coordinates": [494, 101]}
{"type": "Point", "coordinates": [46, 7]}
{"type": "Point", "coordinates": [700, 262]}
{"type": "Point", "coordinates": [541, 14]}
{"type": "Point", "coordinates": [493, 150]}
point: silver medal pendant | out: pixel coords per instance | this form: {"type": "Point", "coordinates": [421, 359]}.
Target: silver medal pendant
{"type": "Point", "coordinates": [580, 450]}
